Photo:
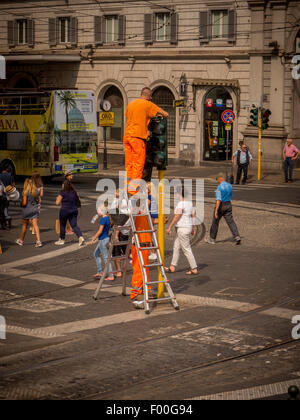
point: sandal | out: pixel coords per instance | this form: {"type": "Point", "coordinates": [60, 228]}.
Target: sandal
{"type": "Point", "coordinates": [109, 278]}
{"type": "Point", "coordinates": [192, 272]}
{"type": "Point", "coordinates": [98, 275]}
{"type": "Point", "coordinates": [168, 269]}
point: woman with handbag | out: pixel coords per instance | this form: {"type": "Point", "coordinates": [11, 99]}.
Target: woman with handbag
{"type": "Point", "coordinates": [70, 202]}
{"type": "Point", "coordinates": [30, 211]}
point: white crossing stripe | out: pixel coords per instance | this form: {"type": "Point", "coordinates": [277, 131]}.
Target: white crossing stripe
{"type": "Point", "coordinates": [281, 313]}
{"type": "Point", "coordinates": [40, 257]}
{"type": "Point", "coordinates": [88, 324]}
{"type": "Point", "coordinates": [262, 391]}
{"type": "Point", "coordinates": [59, 280]}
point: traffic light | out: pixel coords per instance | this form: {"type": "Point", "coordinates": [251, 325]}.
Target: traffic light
{"type": "Point", "coordinates": [156, 148]}
{"type": "Point", "coordinates": [265, 118]}
{"type": "Point", "coordinates": [254, 117]}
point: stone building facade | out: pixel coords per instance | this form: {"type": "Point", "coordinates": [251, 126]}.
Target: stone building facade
{"type": "Point", "coordinates": [214, 54]}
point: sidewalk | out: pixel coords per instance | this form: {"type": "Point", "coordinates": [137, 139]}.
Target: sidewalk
{"type": "Point", "coordinates": [208, 172]}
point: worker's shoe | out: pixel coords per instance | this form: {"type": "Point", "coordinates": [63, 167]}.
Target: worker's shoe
{"type": "Point", "coordinates": [138, 302]}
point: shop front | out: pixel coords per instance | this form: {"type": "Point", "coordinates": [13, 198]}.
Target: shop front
{"type": "Point", "coordinates": [217, 134]}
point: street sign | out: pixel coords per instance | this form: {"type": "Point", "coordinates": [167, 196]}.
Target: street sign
{"type": "Point", "coordinates": [209, 102]}
{"type": "Point", "coordinates": [227, 127]}
{"type": "Point", "coordinates": [219, 102]}
{"type": "Point", "coordinates": [228, 116]}
{"type": "Point", "coordinates": [179, 103]}
{"type": "Point", "coordinates": [106, 119]}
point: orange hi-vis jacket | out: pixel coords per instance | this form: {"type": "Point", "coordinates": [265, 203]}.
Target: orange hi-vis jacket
{"type": "Point", "coordinates": [138, 115]}
{"type": "Point", "coordinates": [141, 223]}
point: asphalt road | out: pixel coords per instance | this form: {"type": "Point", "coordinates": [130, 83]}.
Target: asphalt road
{"type": "Point", "coordinates": [232, 337]}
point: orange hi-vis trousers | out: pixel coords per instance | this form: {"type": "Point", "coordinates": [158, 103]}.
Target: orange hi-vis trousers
{"type": "Point", "coordinates": [135, 156]}
{"type": "Point", "coordinates": [141, 223]}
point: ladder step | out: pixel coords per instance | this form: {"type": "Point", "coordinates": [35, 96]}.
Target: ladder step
{"type": "Point", "coordinates": [144, 231]}
{"type": "Point", "coordinates": [117, 258]}
{"type": "Point", "coordinates": [146, 248]}
{"type": "Point", "coordinates": [159, 299]}
{"type": "Point", "coordinates": [156, 282]}
{"type": "Point", "coordinates": [153, 265]}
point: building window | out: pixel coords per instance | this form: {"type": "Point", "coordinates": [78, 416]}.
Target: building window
{"type": "Point", "coordinates": [22, 31]}
{"type": "Point", "coordinates": [163, 26]}
{"type": "Point", "coordinates": [64, 29]}
{"type": "Point", "coordinates": [114, 96]}
{"type": "Point", "coordinates": [164, 98]}
{"type": "Point", "coordinates": [112, 28]}
{"type": "Point", "coordinates": [219, 19]}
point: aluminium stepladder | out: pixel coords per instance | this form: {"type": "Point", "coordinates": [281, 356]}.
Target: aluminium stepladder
{"type": "Point", "coordinates": [134, 237]}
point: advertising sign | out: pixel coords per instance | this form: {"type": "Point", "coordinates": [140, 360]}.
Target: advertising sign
{"type": "Point", "coordinates": [74, 110]}
{"type": "Point", "coordinates": [209, 102]}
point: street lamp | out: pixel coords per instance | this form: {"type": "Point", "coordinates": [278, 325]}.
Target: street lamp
{"type": "Point", "coordinates": [183, 85]}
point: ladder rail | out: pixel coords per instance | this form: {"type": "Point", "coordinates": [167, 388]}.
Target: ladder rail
{"type": "Point", "coordinates": [134, 238]}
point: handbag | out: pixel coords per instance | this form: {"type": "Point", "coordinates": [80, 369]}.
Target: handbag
{"type": "Point", "coordinates": [77, 201]}
{"type": "Point", "coordinates": [12, 194]}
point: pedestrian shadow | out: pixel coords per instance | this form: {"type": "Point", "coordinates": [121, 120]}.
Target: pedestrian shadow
{"type": "Point", "coordinates": [187, 283]}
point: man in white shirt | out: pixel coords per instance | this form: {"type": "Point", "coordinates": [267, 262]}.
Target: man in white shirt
{"type": "Point", "coordinates": [243, 159]}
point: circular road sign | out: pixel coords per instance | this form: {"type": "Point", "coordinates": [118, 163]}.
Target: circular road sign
{"type": "Point", "coordinates": [228, 116]}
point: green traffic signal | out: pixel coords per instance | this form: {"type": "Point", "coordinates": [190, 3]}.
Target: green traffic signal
{"type": "Point", "coordinates": [254, 117]}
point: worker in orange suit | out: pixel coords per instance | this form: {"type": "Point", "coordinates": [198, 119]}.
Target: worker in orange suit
{"type": "Point", "coordinates": [138, 115]}
{"type": "Point", "coordinates": [145, 240]}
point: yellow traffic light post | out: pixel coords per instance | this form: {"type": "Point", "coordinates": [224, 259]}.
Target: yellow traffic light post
{"type": "Point", "coordinates": [259, 144]}
{"type": "Point", "coordinates": [161, 229]}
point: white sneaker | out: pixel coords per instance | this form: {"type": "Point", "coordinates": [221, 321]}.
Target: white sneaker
{"type": "Point", "coordinates": [152, 257]}
{"type": "Point", "coordinates": [81, 241]}
{"type": "Point", "coordinates": [210, 241]}
{"type": "Point", "coordinates": [19, 242]}
{"type": "Point", "coordinates": [60, 242]}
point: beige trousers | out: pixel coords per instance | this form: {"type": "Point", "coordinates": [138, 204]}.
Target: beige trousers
{"type": "Point", "coordinates": [182, 241]}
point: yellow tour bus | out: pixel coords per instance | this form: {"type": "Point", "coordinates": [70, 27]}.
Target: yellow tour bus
{"type": "Point", "coordinates": [48, 132]}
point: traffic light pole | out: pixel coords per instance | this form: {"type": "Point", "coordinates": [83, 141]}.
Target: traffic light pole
{"type": "Point", "coordinates": [259, 144]}
{"type": "Point", "coordinates": [161, 229]}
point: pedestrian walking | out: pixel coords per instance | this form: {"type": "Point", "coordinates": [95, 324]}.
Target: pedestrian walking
{"type": "Point", "coordinates": [290, 153]}
{"type": "Point", "coordinates": [30, 211]}
{"type": "Point", "coordinates": [138, 115]}
{"type": "Point", "coordinates": [184, 222]}
{"type": "Point", "coordinates": [101, 250]}
{"type": "Point", "coordinates": [8, 180]}
{"type": "Point", "coordinates": [2, 205]}
{"type": "Point", "coordinates": [243, 160]}
{"type": "Point", "coordinates": [223, 208]}
{"type": "Point", "coordinates": [120, 208]}
{"type": "Point", "coordinates": [69, 201]}
{"type": "Point", "coordinates": [37, 180]}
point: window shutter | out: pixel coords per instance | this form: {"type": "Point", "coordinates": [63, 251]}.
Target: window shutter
{"type": "Point", "coordinates": [231, 25]}
{"type": "Point", "coordinates": [11, 33]}
{"type": "Point", "coordinates": [174, 26]}
{"type": "Point", "coordinates": [53, 29]}
{"type": "Point", "coordinates": [204, 26]}
{"type": "Point", "coordinates": [31, 32]}
{"type": "Point", "coordinates": [73, 30]}
{"type": "Point", "coordinates": [122, 29]}
{"type": "Point", "coordinates": [98, 30]}
{"type": "Point", "coordinates": [149, 31]}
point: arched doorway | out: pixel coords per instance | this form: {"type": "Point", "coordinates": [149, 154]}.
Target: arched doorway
{"type": "Point", "coordinates": [215, 136]}
{"type": "Point", "coordinates": [164, 98]}
{"type": "Point", "coordinates": [114, 96]}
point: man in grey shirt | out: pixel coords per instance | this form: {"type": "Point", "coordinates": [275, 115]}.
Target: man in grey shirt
{"type": "Point", "coordinates": [243, 159]}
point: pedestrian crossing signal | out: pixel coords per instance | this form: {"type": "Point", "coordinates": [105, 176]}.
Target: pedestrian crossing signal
{"type": "Point", "coordinates": [254, 117]}
{"type": "Point", "coordinates": [265, 118]}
